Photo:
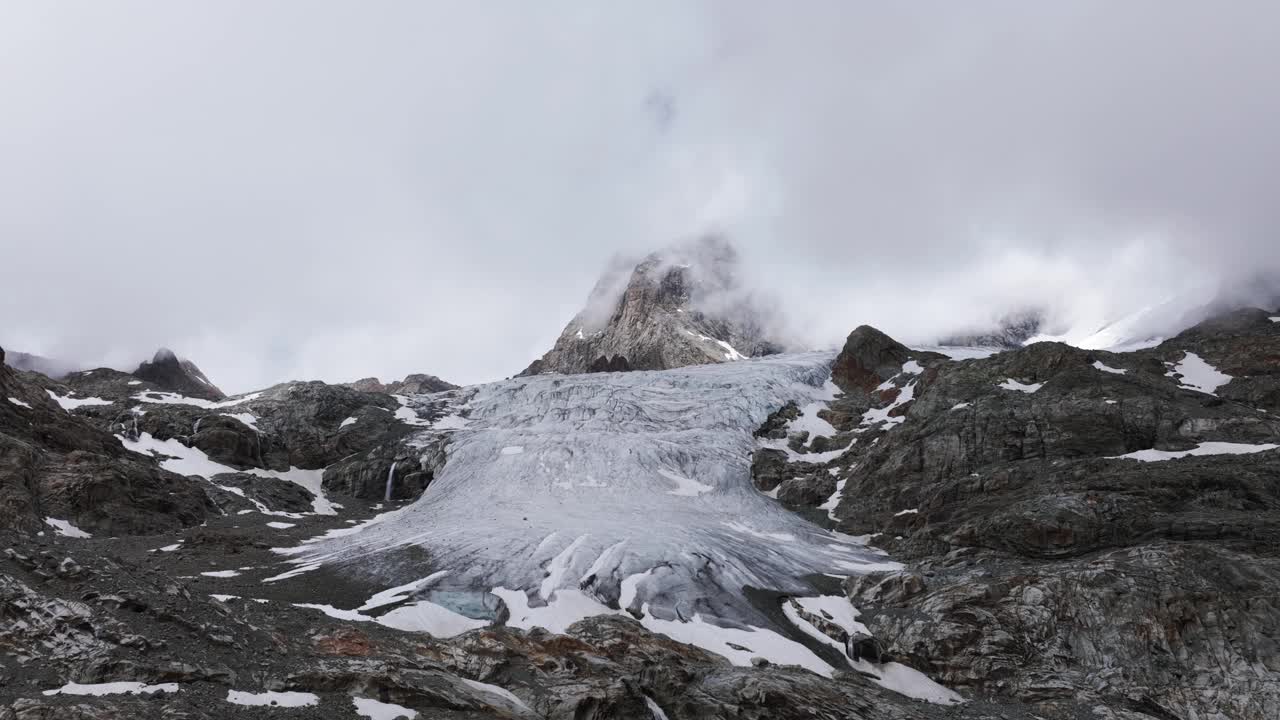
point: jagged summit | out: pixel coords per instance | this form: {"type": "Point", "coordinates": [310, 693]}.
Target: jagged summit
{"type": "Point", "coordinates": [168, 371]}
{"type": "Point", "coordinates": [1008, 332]}
{"type": "Point", "coordinates": [684, 305]}
{"type": "Point", "coordinates": [415, 384]}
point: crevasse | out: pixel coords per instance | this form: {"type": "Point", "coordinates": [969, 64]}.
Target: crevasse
{"type": "Point", "coordinates": [632, 492]}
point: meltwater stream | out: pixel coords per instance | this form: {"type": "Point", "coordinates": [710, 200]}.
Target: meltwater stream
{"type": "Point", "coordinates": [610, 492]}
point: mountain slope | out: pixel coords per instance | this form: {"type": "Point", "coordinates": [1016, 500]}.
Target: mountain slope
{"type": "Point", "coordinates": [169, 372]}
{"type": "Point", "coordinates": [677, 307]}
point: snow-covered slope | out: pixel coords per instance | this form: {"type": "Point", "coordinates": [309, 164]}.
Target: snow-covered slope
{"type": "Point", "coordinates": [606, 492]}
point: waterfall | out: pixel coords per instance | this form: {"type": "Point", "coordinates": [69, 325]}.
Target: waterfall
{"type": "Point", "coordinates": [391, 479]}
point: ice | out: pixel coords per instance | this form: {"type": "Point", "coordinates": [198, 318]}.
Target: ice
{"type": "Point", "coordinates": [113, 688]}
{"type": "Point", "coordinates": [450, 422]}
{"type": "Point", "coordinates": [621, 474]}
{"type": "Point", "coordinates": [684, 486]}
{"type": "Point", "coordinates": [1208, 448]}
{"type": "Point", "coordinates": [155, 397]}
{"type": "Point", "coordinates": [507, 696]}
{"type": "Point", "coordinates": [272, 698]}
{"type": "Point", "coordinates": [378, 710]}
{"type": "Point", "coordinates": [400, 593]}
{"type": "Point", "coordinates": [1012, 384]}
{"type": "Point", "coordinates": [69, 403]}
{"type": "Point", "coordinates": [1198, 375]}
{"type": "Point", "coordinates": [65, 529]}
{"type": "Point", "coordinates": [512, 450]}
{"type": "Point", "coordinates": [348, 421]}
{"type": "Point", "coordinates": [428, 617]}
{"type": "Point", "coordinates": [422, 616]}
{"type": "Point", "coordinates": [568, 607]}
{"type": "Point", "coordinates": [1098, 364]}
{"type": "Point", "coordinates": [19, 403]}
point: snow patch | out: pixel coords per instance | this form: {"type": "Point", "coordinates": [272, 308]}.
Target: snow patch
{"type": "Point", "coordinates": [18, 402]}
{"type": "Point", "coordinates": [1198, 375]}
{"type": "Point", "coordinates": [248, 419]}
{"type": "Point", "coordinates": [69, 403]}
{"type": "Point", "coordinates": [348, 421]}
{"type": "Point", "coordinates": [272, 699]}
{"type": "Point", "coordinates": [156, 397]}
{"type": "Point", "coordinates": [1012, 384]}
{"type": "Point", "coordinates": [113, 688]}
{"type": "Point", "coordinates": [1207, 448]}
{"type": "Point", "coordinates": [378, 710]}
{"type": "Point", "coordinates": [65, 529]}
{"type": "Point", "coordinates": [221, 573]}
{"type": "Point", "coordinates": [193, 461]}
{"type": "Point", "coordinates": [281, 525]}
{"type": "Point", "coordinates": [1114, 371]}
{"type": "Point", "coordinates": [881, 415]}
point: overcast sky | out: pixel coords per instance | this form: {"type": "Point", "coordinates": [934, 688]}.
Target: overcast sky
{"type": "Point", "coordinates": [296, 190]}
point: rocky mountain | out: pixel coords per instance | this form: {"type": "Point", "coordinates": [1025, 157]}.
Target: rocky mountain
{"type": "Point", "coordinates": [1010, 331]}
{"type": "Point", "coordinates": [169, 372]}
{"type": "Point", "coordinates": [28, 362]}
{"type": "Point", "coordinates": [416, 384]}
{"type": "Point", "coordinates": [681, 306]}
{"type": "Point", "coordinates": [1048, 532]}
{"type": "Point", "coordinates": [1064, 514]}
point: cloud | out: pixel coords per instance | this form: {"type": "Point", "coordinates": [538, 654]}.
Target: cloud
{"type": "Point", "coordinates": [317, 189]}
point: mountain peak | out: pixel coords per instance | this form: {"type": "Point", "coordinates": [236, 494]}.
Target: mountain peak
{"type": "Point", "coordinates": [683, 305]}
{"type": "Point", "coordinates": [166, 370]}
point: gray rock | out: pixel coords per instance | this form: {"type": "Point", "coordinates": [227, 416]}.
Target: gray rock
{"type": "Point", "coordinates": [681, 306]}
{"type": "Point", "coordinates": [168, 372]}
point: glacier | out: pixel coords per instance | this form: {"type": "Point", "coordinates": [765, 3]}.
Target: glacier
{"type": "Point", "coordinates": [631, 492]}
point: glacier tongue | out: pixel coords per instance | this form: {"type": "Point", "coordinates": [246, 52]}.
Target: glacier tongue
{"type": "Point", "coordinates": [632, 490]}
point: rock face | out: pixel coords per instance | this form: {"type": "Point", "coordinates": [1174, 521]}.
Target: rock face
{"type": "Point", "coordinates": [28, 362]}
{"type": "Point", "coordinates": [1044, 567]}
{"type": "Point", "coordinates": [681, 306]}
{"type": "Point", "coordinates": [54, 464]}
{"type": "Point", "coordinates": [416, 384]}
{"type": "Point", "coordinates": [168, 372]}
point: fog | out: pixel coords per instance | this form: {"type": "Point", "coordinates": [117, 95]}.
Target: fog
{"type": "Point", "coordinates": [296, 190]}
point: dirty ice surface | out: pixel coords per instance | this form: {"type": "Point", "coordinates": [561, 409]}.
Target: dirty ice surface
{"type": "Point", "coordinates": [617, 501]}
